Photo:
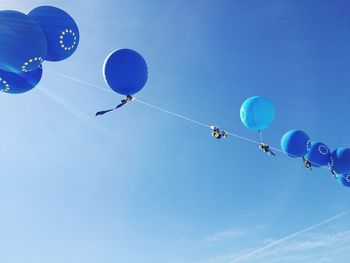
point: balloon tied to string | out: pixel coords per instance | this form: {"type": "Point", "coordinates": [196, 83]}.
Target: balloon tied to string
{"type": "Point", "coordinates": [48, 33]}
{"type": "Point", "coordinates": [257, 113]}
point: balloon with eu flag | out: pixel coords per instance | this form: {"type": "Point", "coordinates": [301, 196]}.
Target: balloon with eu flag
{"type": "Point", "coordinates": [23, 45]}
{"type": "Point", "coordinates": [344, 179]}
{"type": "Point", "coordinates": [17, 83]}
{"type": "Point", "coordinates": [318, 155]}
{"type": "Point", "coordinates": [60, 29]}
{"type": "Point", "coordinates": [340, 160]}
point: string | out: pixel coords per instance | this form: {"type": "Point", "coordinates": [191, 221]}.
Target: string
{"type": "Point", "coordinates": [185, 117]}
{"type": "Point", "coordinates": [228, 132]}
{"type": "Point", "coordinates": [172, 113]}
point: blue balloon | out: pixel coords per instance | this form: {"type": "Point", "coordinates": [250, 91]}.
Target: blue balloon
{"type": "Point", "coordinates": [125, 71]}
{"type": "Point", "coordinates": [344, 179]}
{"type": "Point", "coordinates": [23, 44]}
{"type": "Point", "coordinates": [61, 31]}
{"type": "Point", "coordinates": [16, 83]}
{"type": "Point", "coordinates": [319, 154]}
{"type": "Point", "coordinates": [295, 143]}
{"type": "Point", "coordinates": [340, 160]}
{"type": "Point", "coordinates": [257, 113]}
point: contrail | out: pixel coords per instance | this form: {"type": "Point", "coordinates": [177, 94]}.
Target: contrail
{"type": "Point", "coordinates": [281, 240]}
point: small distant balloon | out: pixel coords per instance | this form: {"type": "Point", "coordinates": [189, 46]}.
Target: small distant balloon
{"type": "Point", "coordinates": [319, 154]}
{"type": "Point", "coordinates": [61, 31]}
{"type": "Point", "coordinates": [23, 45]}
{"type": "Point", "coordinates": [344, 179]}
{"type": "Point", "coordinates": [257, 113]}
{"type": "Point", "coordinates": [16, 83]}
{"type": "Point", "coordinates": [125, 71]}
{"type": "Point", "coordinates": [295, 143]}
{"type": "Point", "coordinates": [340, 160]}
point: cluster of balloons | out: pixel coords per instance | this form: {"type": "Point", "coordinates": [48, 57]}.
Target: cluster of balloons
{"type": "Point", "coordinates": [125, 71]}
{"type": "Point", "coordinates": [258, 113]}
{"type": "Point", "coordinates": [27, 40]}
{"type": "Point", "coordinates": [49, 33]}
{"type": "Point", "coordinates": [297, 144]}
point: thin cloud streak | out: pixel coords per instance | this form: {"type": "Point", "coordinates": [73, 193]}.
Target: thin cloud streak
{"type": "Point", "coordinates": [78, 113]}
{"type": "Point", "coordinates": [232, 233]}
{"type": "Point", "coordinates": [298, 251]}
{"type": "Point", "coordinates": [281, 240]}
{"type": "Point", "coordinates": [228, 234]}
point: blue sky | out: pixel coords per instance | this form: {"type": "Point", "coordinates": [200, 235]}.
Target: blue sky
{"type": "Point", "coordinates": [139, 185]}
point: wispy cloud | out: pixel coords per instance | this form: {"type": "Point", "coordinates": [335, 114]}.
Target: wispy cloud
{"type": "Point", "coordinates": [78, 113]}
{"type": "Point", "coordinates": [227, 234]}
{"type": "Point", "coordinates": [232, 234]}
{"type": "Point", "coordinates": [254, 252]}
{"type": "Point", "coordinates": [306, 245]}
{"type": "Point", "coordinates": [324, 244]}
{"type": "Point", "coordinates": [66, 104]}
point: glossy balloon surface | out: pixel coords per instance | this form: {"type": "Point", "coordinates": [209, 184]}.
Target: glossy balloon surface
{"type": "Point", "coordinates": [16, 83]}
{"type": "Point", "coordinates": [344, 180]}
{"type": "Point", "coordinates": [125, 71]}
{"type": "Point", "coordinates": [295, 143]}
{"type": "Point", "coordinates": [257, 113]}
{"type": "Point", "coordinates": [23, 45]}
{"type": "Point", "coordinates": [60, 29]}
{"type": "Point", "coordinates": [340, 160]}
{"type": "Point", "coordinates": [319, 154]}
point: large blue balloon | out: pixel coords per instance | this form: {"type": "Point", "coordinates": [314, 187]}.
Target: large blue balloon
{"type": "Point", "coordinates": [340, 160]}
{"type": "Point", "coordinates": [19, 82]}
{"type": "Point", "coordinates": [319, 154]}
{"type": "Point", "coordinates": [125, 71]}
{"type": "Point", "coordinates": [23, 44]}
{"type": "Point", "coordinates": [257, 113]}
{"type": "Point", "coordinates": [295, 143]}
{"type": "Point", "coordinates": [61, 31]}
{"type": "Point", "coordinates": [344, 179]}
